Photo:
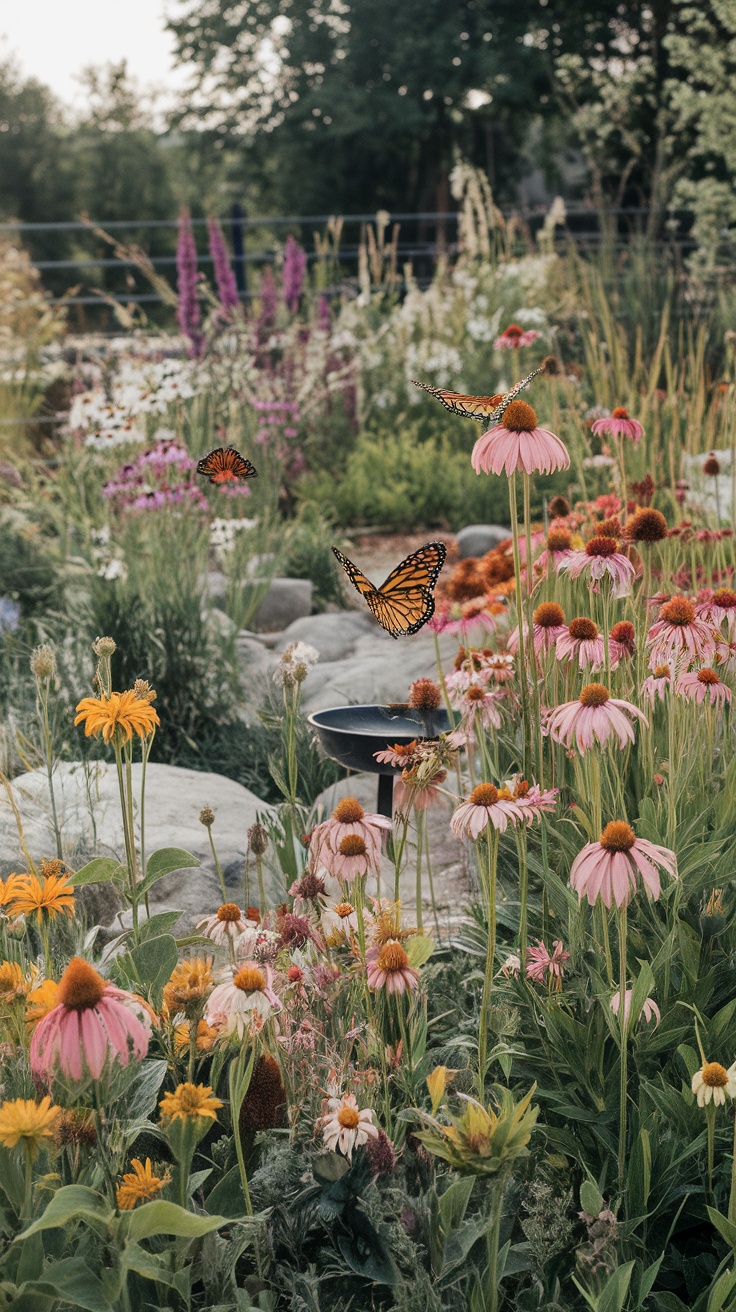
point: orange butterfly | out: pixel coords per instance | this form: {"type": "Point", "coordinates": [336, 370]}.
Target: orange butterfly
{"type": "Point", "coordinates": [224, 465]}
{"type": "Point", "coordinates": [404, 602]}
{"type": "Point", "coordinates": [486, 409]}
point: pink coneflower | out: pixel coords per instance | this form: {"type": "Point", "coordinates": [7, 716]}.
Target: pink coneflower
{"type": "Point", "coordinates": [485, 806]}
{"type": "Point", "coordinates": [558, 548]}
{"type": "Point", "coordinates": [517, 444]}
{"type": "Point", "coordinates": [401, 755]}
{"type": "Point", "coordinates": [548, 623]}
{"type": "Point", "coordinates": [581, 642]}
{"type": "Point", "coordinates": [699, 684]}
{"type": "Point", "coordinates": [619, 424]}
{"type": "Point", "coordinates": [599, 557]}
{"type": "Point", "coordinates": [410, 792]}
{"type": "Point", "coordinates": [650, 1011]}
{"type": "Point", "coordinates": [679, 633]}
{"type": "Point", "coordinates": [344, 1127]}
{"type": "Point", "coordinates": [352, 859]}
{"type": "Point", "coordinates": [470, 620]}
{"type": "Point", "coordinates": [719, 608]}
{"type": "Point", "coordinates": [340, 922]}
{"type": "Point", "coordinates": [479, 667]}
{"type": "Point", "coordinates": [480, 706]}
{"type": "Point", "coordinates": [513, 337]}
{"type": "Point", "coordinates": [609, 869]}
{"type": "Point", "coordinates": [656, 685]}
{"type": "Point", "coordinates": [621, 642]}
{"type": "Point", "coordinates": [348, 817]}
{"type": "Point", "coordinates": [534, 801]}
{"type": "Point", "coordinates": [228, 922]}
{"type": "Point", "coordinates": [594, 717]}
{"type": "Point", "coordinates": [92, 1025]}
{"type": "Point", "coordinates": [541, 964]}
{"type": "Point", "coordinates": [246, 992]}
{"type": "Point", "coordinates": [388, 967]}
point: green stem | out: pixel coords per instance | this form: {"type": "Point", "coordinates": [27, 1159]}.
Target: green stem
{"type": "Point", "coordinates": [420, 833]}
{"type": "Point", "coordinates": [49, 755]}
{"type": "Point", "coordinates": [623, 1088]}
{"type": "Point", "coordinates": [28, 1189]}
{"type": "Point", "coordinates": [129, 854]}
{"type": "Point", "coordinates": [732, 1196]}
{"type": "Point", "coordinates": [218, 867]}
{"type": "Point", "coordinates": [490, 908]}
{"type": "Point", "coordinates": [710, 1114]}
{"type": "Point", "coordinates": [146, 745]}
{"type": "Point", "coordinates": [533, 670]}
{"type": "Point", "coordinates": [492, 1239]}
{"type": "Point", "coordinates": [523, 687]}
{"type": "Point", "coordinates": [523, 896]}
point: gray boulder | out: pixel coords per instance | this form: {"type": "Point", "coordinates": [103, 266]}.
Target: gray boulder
{"type": "Point", "coordinates": [88, 806]}
{"type": "Point", "coordinates": [477, 539]}
{"type": "Point", "coordinates": [378, 670]}
{"type": "Point", "coordinates": [286, 600]}
{"type": "Point", "coordinates": [334, 635]}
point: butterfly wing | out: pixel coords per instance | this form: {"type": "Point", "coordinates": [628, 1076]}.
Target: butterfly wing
{"type": "Point", "coordinates": [224, 465]}
{"type": "Point", "coordinates": [404, 602]}
{"type": "Point", "coordinates": [356, 576]}
{"type": "Point", "coordinates": [485, 409]}
{"type": "Point", "coordinates": [479, 408]}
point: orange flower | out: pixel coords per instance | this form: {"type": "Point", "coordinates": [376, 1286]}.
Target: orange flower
{"type": "Point", "coordinates": [121, 711]}
{"type": "Point", "coordinates": [41, 1001]}
{"type": "Point", "coordinates": [50, 895]}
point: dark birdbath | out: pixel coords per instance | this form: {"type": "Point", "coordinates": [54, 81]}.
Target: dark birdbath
{"type": "Point", "coordinates": [352, 734]}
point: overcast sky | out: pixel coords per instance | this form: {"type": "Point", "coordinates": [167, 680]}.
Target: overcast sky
{"type": "Point", "coordinates": [54, 40]}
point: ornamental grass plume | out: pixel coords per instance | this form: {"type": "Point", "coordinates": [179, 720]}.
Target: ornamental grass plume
{"type": "Point", "coordinates": [295, 266]}
{"type": "Point", "coordinates": [612, 868]}
{"type": "Point", "coordinates": [93, 1026]}
{"type": "Point", "coordinates": [595, 717]}
{"type": "Point", "coordinates": [517, 444]}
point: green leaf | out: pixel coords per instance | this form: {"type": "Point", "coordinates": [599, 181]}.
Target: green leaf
{"type": "Point", "coordinates": [590, 1198]}
{"type": "Point", "coordinates": [163, 1218]}
{"type": "Point", "coordinates": [159, 924]}
{"type": "Point", "coordinates": [725, 1228]}
{"type": "Point", "coordinates": [615, 1291]}
{"type": "Point", "coordinates": [329, 1167]}
{"type": "Point", "coordinates": [148, 966]}
{"type": "Point", "coordinates": [453, 1203]}
{"type": "Point", "coordinates": [164, 862]}
{"type": "Point", "coordinates": [227, 1196]}
{"type": "Point", "coordinates": [102, 870]}
{"type": "Point", "coordinates": [141, 1095]}
{"type": "Point", "coordinates": [365, 1251]}
{"type": "Point", "coordinates": [721, 1290]}
{"type": "Point", "coordinates": [73, 1281]}
{"type": "Point", "coordinates": [73, 1202]}
{"type": "Point", "coordinates": [643, 987]}
{"type": "Point", "coordinates": [145, 1264]}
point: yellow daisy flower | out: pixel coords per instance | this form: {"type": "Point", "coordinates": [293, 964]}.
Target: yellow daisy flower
{"type": "Point", "coordinates": [12, 981]}
{"type": "Point", "coordinates": [122, 711]}
{"type": "Point", "coordinates": [206, 1037]}
{"type": "Point", "coordinates": [189, 1101]}
{"type": "Point", "coordinates": [40, 1001]}
{"type": "Point", "coordinates": [188, 983]}
{"type": "Point", "coordinates": [50, 895]}
{"type": "Point", "coordinates": [139, 1185]}
{"type": "Point", "coordinates": [29, 1122]}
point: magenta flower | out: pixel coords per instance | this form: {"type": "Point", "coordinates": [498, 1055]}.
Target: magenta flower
{"type": "Point", "coordinates": [484, 807]}
{"type": "Point", "coordinates": [513, 337]}
{"type": "Point", "coordinates": [594, 717]}
{"type": "Point", "coordinates": [719, 608]}
{"type": "Point", "coordinates": [548, 624]}
{"type": "Point", "coordinates": [268, 302]}
{"type": "Point", "coordinates": [93, 1025]}
{"type": "Point", "coordinates": [517, 444]}
{"type": "Point", "coordinates": [656, 685]}
{"type": "Point", "coordinates": [611, 868]}
{"type": "Point", "coordinates": [187, 312]}
{"type": "Point", "coordinates": [295, 263]}
{"type": "Point", "coordinates": [679, 633]}
{"type": "Point", "coordinates": [541, 964]}
{"type": "Point", "coordinates": [699, 684]}
{"type": "Point", "coordinates": [599, 557]}
{"type": "Point", "coordinates": [581, 642]}
{"type": "Point", "coordinates": [227, 288]}
{"type": "Point", "coordinates": [479, 706]}
{"type": "Point", "coordinates": [389, 968]}
{"type": "Point", "coordinates": [619, 424]}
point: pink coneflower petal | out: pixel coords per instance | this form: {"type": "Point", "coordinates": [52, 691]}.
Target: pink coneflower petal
{"type": "Point", "coordinates": [608, 869]}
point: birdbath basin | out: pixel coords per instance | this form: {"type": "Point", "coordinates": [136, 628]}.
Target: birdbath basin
{"type": "Point", "coordinates": [352, 734]}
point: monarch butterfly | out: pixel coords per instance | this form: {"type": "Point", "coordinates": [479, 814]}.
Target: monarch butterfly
{"type": "Point", "coordinates": [225, 464]}
{"type": "Point", "coordinates": [485, 409]}
{"type": "Point", "coordinates": [404, 602]}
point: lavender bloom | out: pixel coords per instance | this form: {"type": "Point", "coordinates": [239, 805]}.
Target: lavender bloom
{"type": "Point", "coordinates": [267, 316]}
{"type": "Point", "coordinates": [227, 289]}
{"type": "Point", "coordinates": [295, 263]}
{"type": "Point", "coordinates": [186, 270]}
{"type": "Point", "coordinates": [9, 615]}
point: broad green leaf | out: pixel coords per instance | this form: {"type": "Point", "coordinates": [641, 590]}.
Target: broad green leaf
{"type": "Point", "coordinates": [73, 1202]}
{"type": "Point", "coordinates": [453, 1203]}
{"type": "Point", "coordinates": [141, 1095]}
{"type": "Point", "coordinates": [615, 1291]}
{"type": "Point", "coordinates": [590, 1198]}
{"type": "Point", "coordinates": [227, 1196]}
{"type": "Point", "coordinates": [163, 1218]}
{"type": "Point", "coordinates": [159, 924]}
{"type": "Point", "coordinates": [419, 949]}
{"type": "Point", "coordinates": [329, 1167]}
{"type": "Point", "coordinates": [721, 1290]}
{"type": "Point", "coordinates": [164, 862]}
{"type": "Point", "coordinates": [148, 966]}
{"type": "Point", "coordinates": [648, 1279]}
{"type": "Point", "coordinates": [365, 1252]}
{"type": "Point", "coordinates": [73, 1281]}
{"type": "Point", "coordinates": [725, 1228]}
{"type": "Point", "coordinates": [145, 1264]}
{"type": "Point", "coordinates": [102, 870]}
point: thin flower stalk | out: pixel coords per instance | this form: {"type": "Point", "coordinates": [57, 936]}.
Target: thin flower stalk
{"type": "Point", "coordinates": [488, 879]}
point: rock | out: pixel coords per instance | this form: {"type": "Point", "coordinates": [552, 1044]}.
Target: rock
{"type": "Point", "coordinates": [377, 671]}
{"type": "Point", "coordinates": [286, 600]}
{"type": "Point", "coordinates": [477, 539]}
{"type": "Point", "coordinates": [451, 874]}
{"type": "Point", "coordinates": [253, 655]}
{"type": "Point", "coordinates": [174, 799]}
{"type": "Point", "coordinates": [333, 635]}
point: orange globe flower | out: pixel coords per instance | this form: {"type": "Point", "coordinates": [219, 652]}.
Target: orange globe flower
{"type": "Point", "coordinates": [118, 716]}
